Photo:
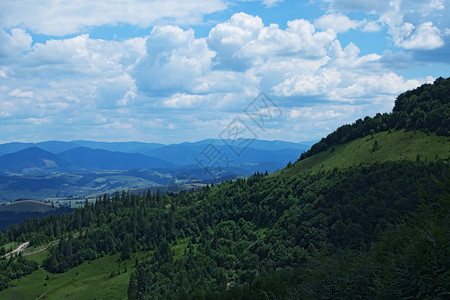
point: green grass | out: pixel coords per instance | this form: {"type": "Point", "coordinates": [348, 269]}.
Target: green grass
{"type": "Point", "coordinates": [179, 247]}
{"type": "Point", "coordinates": [10, 246]}
{"type": "Point", "coordinates": [39, 257]}
{"type": "Point", "coordinates": [87, 281]}
{"type": "Point", "coordinates": [394, 146]}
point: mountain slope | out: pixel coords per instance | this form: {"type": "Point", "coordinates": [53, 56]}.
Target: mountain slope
{"type": "Point", "coordinates": [32, 160]}
{"type": "Point", "coordinates": [190, 153]}
{"type": "Point", "coordinates": [426, 108]}
{"type": "Point", "coordinates": [417, 128]}
{"type": "Point", "coordinates": [127, 147]}
{"type": "Point", "coordinates": [89, 159]}
{"type": "Point", "coordinates": [384, 146]}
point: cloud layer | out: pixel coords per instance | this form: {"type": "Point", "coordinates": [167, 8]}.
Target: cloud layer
{"type": "Point", "coordinates": [172, 85]}
{"type": "Point", "coordinates": [65, 17]}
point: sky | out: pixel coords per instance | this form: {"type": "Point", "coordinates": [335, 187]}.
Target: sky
{"type": "Point", "coordinates": [171, 71]}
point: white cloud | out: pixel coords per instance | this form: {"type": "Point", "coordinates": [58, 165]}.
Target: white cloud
{"type": "Point", "coordinates": [116, 92]}
{"type": "Point", "coordinates": [3, 71]}
{"type": "Point", "coordinates": [228, 39]}
{"type": "Point", "coordinates": [313, 113]}
{"type": "Point", "coordinates": [271, 3]}
{"type": "Point", "coordinates": [21, 94]}
{"type": "Point", "coordinates": [386, 84]}
{"type": "Point", "coordinates": [14, 44]}
{"type": "Point", "coordinates": [70, 83]}
{"type": "Point", "coordinates": [437, 4]}
{"type": "Point", "coordinates": [338, 22]}
{"type": "Point", "coordinates": [371, 26]}
{"type": "Point", "coordinates": [83, 55]}
{"type": "Point", "coordinates": [185, 100]}
{"type": "Point", "coordinates": [193, 84]}
{"type": "Point", "coordinates": [174, 62]}
{"type": "Point", "coordinates": [424, 37]}
{"type": "Point", "coordinates": [65, 17]}
{"type": "Point", "coordinates": [243, 41]}
{"type": "Point", "coordinates": [412, 24]}
{"type": "Point", "coordinates": [311, 84]}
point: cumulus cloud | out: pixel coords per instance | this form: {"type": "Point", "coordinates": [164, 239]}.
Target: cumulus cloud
{"type": "Point", "coordinates": [386, 84]}
{"type": "Point", "coordinates": [229, 38]}
{"type": "Point", "coordinates": [174, 61]}
{"type": "Point", "coordinates": [371, 26]}
{"type": "Point", "coordinates": [115, 92]}
{"type": "Point", "coordinates": [69, 83]}
{"type": "Point", "coordinates": [424, 37]}
{"type": "Point", "coordinates": [13, 44]}
{"type": "Point", "coordinates": [198, 84]}
{"type": "Point", "coordinates": [312, 84]}
{"type": "Point", "coordinates": [243, 40]}
{"type": "Point", "coordinates": [412, 25]}
{"type": "Point", "coordinates": [338, 22]}
{"type": "Point", "coordinates": [65, 17]}
{"type": "Point", "coordinates": [83, 55]}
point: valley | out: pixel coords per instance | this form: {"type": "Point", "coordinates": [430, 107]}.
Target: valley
{"type": "Point", "coordinates": [30, 172]}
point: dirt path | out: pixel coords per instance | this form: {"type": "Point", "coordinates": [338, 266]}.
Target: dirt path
{"type": "Point", "coordinates": [45, 247]}
{"type": "Point", "coordinates": [40, 248]}
{"type": "Point", "coordinates": [19, 249]}
{"type": "Point", "coordinates": [22, 247]}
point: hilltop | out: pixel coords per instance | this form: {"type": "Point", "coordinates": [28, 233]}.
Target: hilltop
{"type": "Point", "coordinates": [418, 128]}
{"type": "Point", "coordinates": [396, 145]}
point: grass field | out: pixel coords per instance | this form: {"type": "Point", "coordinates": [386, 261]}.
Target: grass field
{"type": "Point", "coordinates": [87, 281]}
{"type": "Point", "coordinates": [39, 257]}
{"type": "Point", "coordinates": [179, 247]}
{"type": "Point", "coordinates": [10, 246]}
{"type": "Point", "coordinates": [394, 146]}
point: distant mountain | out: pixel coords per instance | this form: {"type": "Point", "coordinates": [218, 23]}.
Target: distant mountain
{"type": "Point", "coordinates": [32, 160]}
{"type": "Point", "coordinates": [14, 147]}
{"type": "Point", "coordinates": [56, 146]}
{"type": "Point", "coordinates": [50, 146]}
{"type": "Point", "coordinates": [127, 147]}
{"type": "Point", "coordinates": [256, 144]}
{"type": "Point", "coordinates": [90, 159]}
{"type": "Point", "coordinates": [228, 157]}
{"type": "Point", "coordinates": [257, 151]}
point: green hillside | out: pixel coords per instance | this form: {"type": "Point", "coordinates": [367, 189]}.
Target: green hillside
{"type": "Point", "coordinates": [384, 146]}
{"type": "Point", "coordinates": [91, 280]}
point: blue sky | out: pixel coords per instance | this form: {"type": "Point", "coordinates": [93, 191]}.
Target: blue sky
{"type": "Point", "coordinates": [174, 71]}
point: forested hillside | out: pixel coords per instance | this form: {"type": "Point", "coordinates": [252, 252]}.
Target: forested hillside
{"type": "Point", "coordinates": [375, 230]}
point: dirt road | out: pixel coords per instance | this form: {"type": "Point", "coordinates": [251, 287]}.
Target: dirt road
{"type": "Point", "coordinates": [19, 249]}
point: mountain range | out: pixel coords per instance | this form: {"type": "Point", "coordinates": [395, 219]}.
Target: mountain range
{"type": "Point", "coordinates": [67, 170]}
{"type": "Point", "coordinates": [55, 156]}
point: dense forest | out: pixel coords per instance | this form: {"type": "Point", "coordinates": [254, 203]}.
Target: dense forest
{"type": "Point", "coordinates": [368, 231]}
{"type": "Point", "coordinates": [243, 232]}
{"type": "Point", "coordinates": [8, 218]}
